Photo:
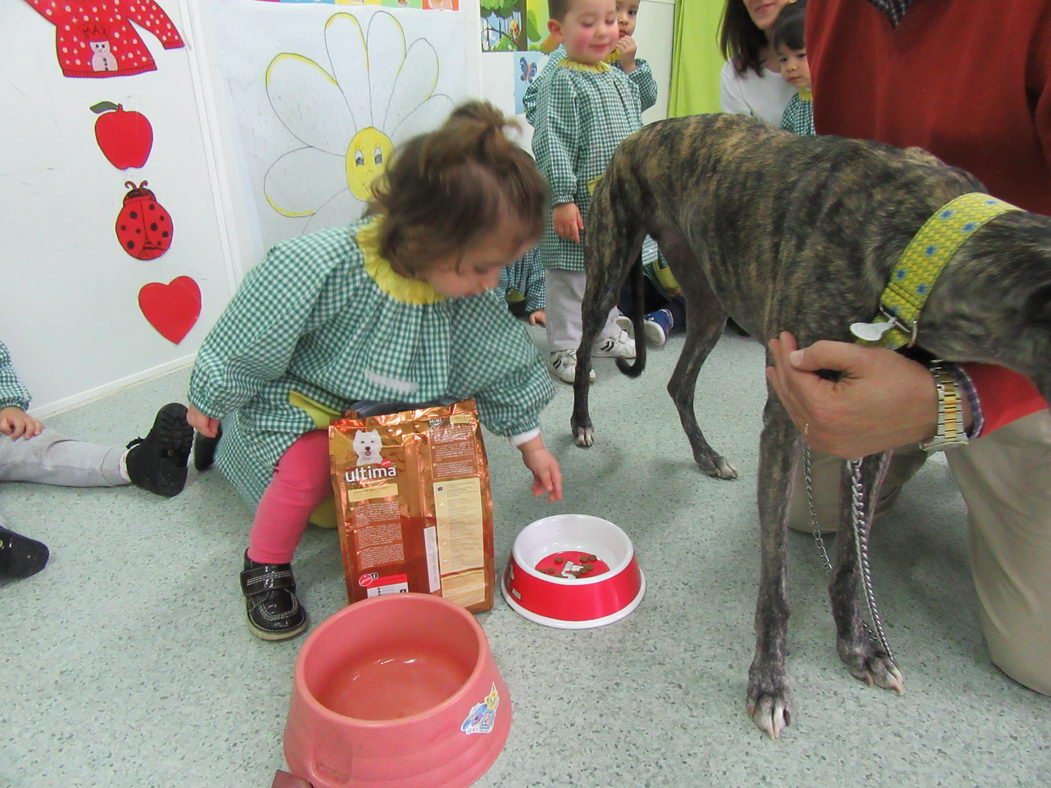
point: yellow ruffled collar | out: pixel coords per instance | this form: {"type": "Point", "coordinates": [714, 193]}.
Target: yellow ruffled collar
{"type": "Point", "coordinates": [398, 287]}
{"type": "Point", "coordinates": [597, 68]}
{"type": "Point", "coordinates": [806, 94]}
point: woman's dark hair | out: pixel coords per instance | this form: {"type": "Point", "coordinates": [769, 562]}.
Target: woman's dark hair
{"type": "Point", "coordinates": [788, 29]}
{"type": "Point", "coordinates": [444, 191]}
{"type": "Point", "coordinates": [740, 40]}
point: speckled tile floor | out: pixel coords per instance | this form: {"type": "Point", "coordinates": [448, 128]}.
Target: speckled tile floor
{"type": "Point", "coordinates": [127, 662]}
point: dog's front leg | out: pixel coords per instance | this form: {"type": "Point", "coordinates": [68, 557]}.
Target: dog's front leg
{"type": "Point", "coordinates": [857, 646]}
{"type": "Point", "coordinates": [769, 699]}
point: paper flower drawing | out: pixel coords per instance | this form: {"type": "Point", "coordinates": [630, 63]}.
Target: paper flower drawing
{"type": "Point", "coordinates": [349, 113]}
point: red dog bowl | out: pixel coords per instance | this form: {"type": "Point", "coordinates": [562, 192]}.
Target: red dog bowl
{"type": "Point", "coordinates": [573, 571]}
{"type": "Point", "coordinates": [398, 691]}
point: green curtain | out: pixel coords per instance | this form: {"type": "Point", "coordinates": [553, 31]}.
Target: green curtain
{"type": "Point", "coordinates": [696, 60]}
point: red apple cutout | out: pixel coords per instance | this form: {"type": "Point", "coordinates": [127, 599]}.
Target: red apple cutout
{"type": "Point", "coordinates": [124, 137]}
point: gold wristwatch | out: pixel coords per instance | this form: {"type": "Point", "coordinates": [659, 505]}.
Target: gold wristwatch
{"type": "Point", "coordinates": [951, 431]}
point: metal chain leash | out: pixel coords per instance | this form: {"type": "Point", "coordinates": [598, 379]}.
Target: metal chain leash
{"type": "Point", "coordinates": [861, 526]}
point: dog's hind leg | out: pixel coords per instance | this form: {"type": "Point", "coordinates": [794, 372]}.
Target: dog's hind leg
{"type": "Point", "coordinates": [612, 245]}
{"type": "Point", "coordinates": [769, 698]}
{"type": "Point", "coordinates": [705, 319]}
{"type": "Point", "coordinates": [857, 646]}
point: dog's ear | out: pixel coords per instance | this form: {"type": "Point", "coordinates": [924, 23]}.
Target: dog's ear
{"type": "Point", "coordinates": [1037, 310]}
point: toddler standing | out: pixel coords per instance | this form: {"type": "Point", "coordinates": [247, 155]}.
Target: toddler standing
{"type": "Point", "coordinates": [397, 307]}
{"type": "Point", "coordinates": [623, 56]}
{"type": "Point", "coordinates": [584, 109]}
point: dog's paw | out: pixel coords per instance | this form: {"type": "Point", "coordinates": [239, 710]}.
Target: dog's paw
{"type": "Point", "coordinates": [867, 662]}
{"type": "Point", "coordinates": [716, 466]}
{"type": "Point", "coordinates": [769, 701]}
{"type": "Point", "coordinates": [584, 436]}
{"type": "Point", "coordinates": [770, 713]}
{"type": "Point", "coordinates": [878, 671]}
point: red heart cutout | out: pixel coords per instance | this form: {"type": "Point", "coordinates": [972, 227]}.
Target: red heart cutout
{"type": "Point", "coordinates": [171, 308]}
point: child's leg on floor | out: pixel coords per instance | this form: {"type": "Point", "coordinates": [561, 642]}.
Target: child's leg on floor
{"type": "Point", "coordinates": [52, 458]}
{"type": "Point", "coordinates": [301, 482]}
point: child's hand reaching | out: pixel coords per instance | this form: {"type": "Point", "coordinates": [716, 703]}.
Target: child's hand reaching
{"type": "Point", "coordinates": [626, 48]}
{"type": "Point", "coordinates": [205, 425]}
{"type": "Point", "coordinates": [567, 221]}
{"type": "Point", "coordinates": [539, 316]}
{"type": "Point", "coordinates": [18, 424]}
{"type": "Point", "coordinates": [547, 476]}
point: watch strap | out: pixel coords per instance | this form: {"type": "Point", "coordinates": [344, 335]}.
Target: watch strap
{"type": "Point", "coordinates": [950, 430]}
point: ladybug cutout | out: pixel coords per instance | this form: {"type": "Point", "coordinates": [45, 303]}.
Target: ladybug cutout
{"type": "Point", "coordinates": [144, 228]}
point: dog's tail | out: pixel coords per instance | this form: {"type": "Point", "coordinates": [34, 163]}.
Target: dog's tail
{"type": "Point", "coordinates": [633, 368]}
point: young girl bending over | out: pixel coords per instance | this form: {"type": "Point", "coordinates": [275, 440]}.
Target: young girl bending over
{"type": "Point", "coordinates": [398, 307]}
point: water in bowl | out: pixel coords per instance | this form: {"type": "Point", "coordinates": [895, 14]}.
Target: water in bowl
{"type": "Point", "coordinates": [399, 682]}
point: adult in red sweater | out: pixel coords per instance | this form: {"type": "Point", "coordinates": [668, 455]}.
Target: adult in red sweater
{"type": "Point", "coordinates": [970, 81]}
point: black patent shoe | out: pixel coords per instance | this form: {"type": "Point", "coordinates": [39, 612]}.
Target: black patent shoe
{"type": "Point", "coordinates": [20, 556]}
{"type": "Point", "coordinates": [158, 462]}
{"type": "Point", "coordinates": [274, 612]}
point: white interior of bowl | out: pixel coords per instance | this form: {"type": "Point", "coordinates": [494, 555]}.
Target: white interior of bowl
{"type": "Point", "coordinates": [581, 532]}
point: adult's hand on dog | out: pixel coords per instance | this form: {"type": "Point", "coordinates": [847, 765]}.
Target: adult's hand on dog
{"type": "Point", "coordinates": [882, 400]}
{"type": "Point", "coordinates": [567, 221]}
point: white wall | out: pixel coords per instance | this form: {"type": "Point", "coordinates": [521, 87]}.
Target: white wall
{"type": "Point", "coordinates": [70, 315]}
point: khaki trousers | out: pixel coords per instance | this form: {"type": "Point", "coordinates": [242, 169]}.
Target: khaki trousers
{"type": "Point", "coordinates": [1005, 479]}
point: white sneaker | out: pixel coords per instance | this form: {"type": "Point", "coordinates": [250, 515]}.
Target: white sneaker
{"type": "Point", "coordinates": [563, 366]}
{"type": "Point", "coordinates": [623, 322]}
{"type": "Point", "coordinates": [620, 346]}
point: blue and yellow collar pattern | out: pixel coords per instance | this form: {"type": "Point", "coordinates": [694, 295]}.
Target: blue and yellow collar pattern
{"type": "Point", "coordinates": [920, 265]}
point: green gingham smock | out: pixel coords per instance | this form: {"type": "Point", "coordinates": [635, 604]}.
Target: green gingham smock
{"type": "Point", "coordinates": [583, 113]}
{"type": "Point", "coordinates": [798, 116]}
{"type": "Point", "coordinates": [12, 392]}
{"type": "Point", "coordinates": [526, 277]}
{"type": "Point", "coordinates": [324, 318]}
{"type": "Point", "coordinates": [642, 76]}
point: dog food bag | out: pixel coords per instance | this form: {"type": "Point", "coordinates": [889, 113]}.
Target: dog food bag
{"type": "Point", "coordinates": [414, 503]}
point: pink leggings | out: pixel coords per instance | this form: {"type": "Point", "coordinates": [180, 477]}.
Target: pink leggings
{"type": "Point", "coordinates": [301, 482]}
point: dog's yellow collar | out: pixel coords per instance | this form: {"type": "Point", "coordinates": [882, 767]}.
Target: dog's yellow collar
{"type": "Point", "coordinates": [922, 262]}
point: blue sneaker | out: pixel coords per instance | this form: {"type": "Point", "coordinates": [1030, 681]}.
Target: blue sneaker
{"type": "Point", "coordinates": [657, 325]}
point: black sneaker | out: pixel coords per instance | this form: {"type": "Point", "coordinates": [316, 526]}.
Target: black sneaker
{"type": "Point", "coordinates": [158, 462]}
{"type": "Point", "coordinates": [20, 556]}
{"type": "Point", "coordinates": [274, 612]}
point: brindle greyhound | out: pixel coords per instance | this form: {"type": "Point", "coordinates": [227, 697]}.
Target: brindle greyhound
{"type": "Point", "coordinates": [792, 233]}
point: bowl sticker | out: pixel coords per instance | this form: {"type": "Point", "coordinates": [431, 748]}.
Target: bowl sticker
{"type": "Point", "coordinates": [482, 718]}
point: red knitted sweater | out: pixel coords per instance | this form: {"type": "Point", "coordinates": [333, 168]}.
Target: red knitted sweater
{"type": "Point", "coordinates": [970, 81]}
